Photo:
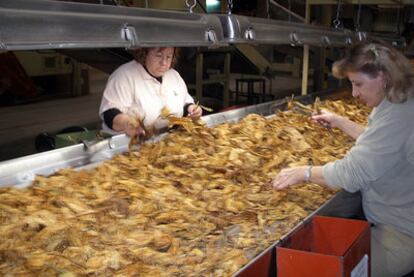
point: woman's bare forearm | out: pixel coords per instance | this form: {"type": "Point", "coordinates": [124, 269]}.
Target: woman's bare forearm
{"type": "Point", "coordinates": [120, 122]}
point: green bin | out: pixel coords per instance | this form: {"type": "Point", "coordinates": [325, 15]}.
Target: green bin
{"type": "Point", "coordinates": [67, 139]}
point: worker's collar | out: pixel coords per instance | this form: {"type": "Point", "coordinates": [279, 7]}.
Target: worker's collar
{"type": "Point", "coordinates": [159, 79]}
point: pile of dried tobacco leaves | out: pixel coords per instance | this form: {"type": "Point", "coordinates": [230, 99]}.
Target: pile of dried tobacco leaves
{"type": "Point", "coordinates": [197, 203]}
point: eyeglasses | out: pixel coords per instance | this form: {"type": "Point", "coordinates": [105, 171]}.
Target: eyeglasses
{"type": "Point", "coordinates": [162, 57]}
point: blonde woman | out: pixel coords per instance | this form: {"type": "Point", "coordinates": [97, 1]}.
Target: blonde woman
{"type": "Point", "coordinates": [381, 163]}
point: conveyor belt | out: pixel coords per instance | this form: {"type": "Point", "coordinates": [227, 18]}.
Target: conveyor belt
{"type": "Point", "coordinates": [21, 171]}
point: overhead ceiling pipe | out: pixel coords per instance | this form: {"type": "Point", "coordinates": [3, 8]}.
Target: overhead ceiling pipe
{"type": "Point", "coordinates": [45, 24]}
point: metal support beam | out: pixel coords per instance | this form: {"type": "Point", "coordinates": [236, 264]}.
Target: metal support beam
{"type": "Point", "coordinates": [362, 2]}
{"type": "Point", "coordinates": [305, 68]}
{"type": "Point", "coordinates": [43, 24]}
{"type": "Point", "coordinates": [320, 54]}
{"type": "Point", "coordinates": [199, 76]}
{"type": "Point", "coordinates": [226, 85]}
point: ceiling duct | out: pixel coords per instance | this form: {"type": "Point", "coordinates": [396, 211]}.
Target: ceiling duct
{"type": "Point", "coordinates": [388, 38]}
{"type": "Point", "coordinates": [241, 29]}
{"type": "Point", "coordinates": [391, 39]}
{"type": "Point", "coordinates": [253, 30]}
{"type": "Point", "coordinates": [43, 24]}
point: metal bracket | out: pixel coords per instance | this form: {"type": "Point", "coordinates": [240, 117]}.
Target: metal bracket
{"type": "Point", "coordinates": [250, 34]}
{"type": "Point", "coordinates": [130, 35]}
{"type": "Point", "coordinates": [94, 147]}
{"type": "Point", "coordinates": [294, 39]}
{"type": "Point", "coordinates": [361, 36]}
{"type": "Point", "coordinates": [3, 47]}
{"type": "Point", "coordinates": [99, 151]}
{"type": "Point", "coordinates": [211, 35]}
{"type": "Point", "coordinates": [111, 143]}
{"type": "Point", "coordinates": [190, 6]}
{"type": "Point", "coordinates": [229, 6]}
{"type": "Point", "coordinates": [325, 41]}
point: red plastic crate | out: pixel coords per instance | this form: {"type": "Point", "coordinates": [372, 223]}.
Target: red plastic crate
{"type": "Point", "coordinates": [326, 246]}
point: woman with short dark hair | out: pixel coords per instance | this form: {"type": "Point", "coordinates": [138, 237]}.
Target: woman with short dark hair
{"type": "Point", "coordinates": [141, 88]}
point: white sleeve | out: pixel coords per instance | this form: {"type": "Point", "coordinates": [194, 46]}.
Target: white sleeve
{"type": "Point", "coordinates": [118, 93]}
{"type": "Point", "coordinates": [183, 87]}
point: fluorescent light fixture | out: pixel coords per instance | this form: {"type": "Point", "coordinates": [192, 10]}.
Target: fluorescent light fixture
{"type": "Point", "coordinates": [212, 3]}
{"type": "Point", "coordinates": [213, 6]}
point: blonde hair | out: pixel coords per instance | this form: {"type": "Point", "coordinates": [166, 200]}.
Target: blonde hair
{"type": "Point", "coordinates": [373, 59]}
{"type": "Point", "coordinates": [140, 54]}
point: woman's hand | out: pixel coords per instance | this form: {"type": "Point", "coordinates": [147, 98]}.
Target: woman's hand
{"type": "Point", "coordinates": [326, 119]}
{"type": "Point", "coordinates": [128, 125]}
{"type": "Point", "coordinates": [194, 111]}
{"type": "Point", "coordinates": [288, 177]}
{"type": "Point", "coordinates": [133, 128]}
